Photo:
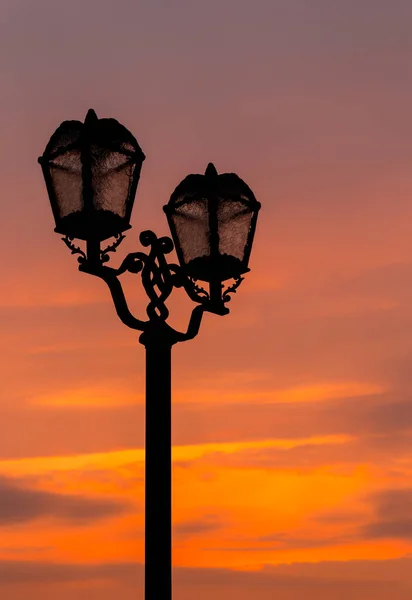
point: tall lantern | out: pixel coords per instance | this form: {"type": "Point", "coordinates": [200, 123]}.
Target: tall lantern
{"type": "Point", "coordinates": [212, 219]}
{"type": "Point", "coordinates": [91, 171]}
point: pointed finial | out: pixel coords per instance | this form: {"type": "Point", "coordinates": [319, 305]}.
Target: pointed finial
{"type": "Point", "coordinates": [211, 170]}
{"type": "Point", "coordinates": [91, 116]}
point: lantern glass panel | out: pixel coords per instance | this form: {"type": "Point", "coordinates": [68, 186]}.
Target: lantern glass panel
{"type": "Point", "coordinates": [112, 176]}
{"type": "Point", "coordinates": [191, 221]}
{"type": "Point", "coordinates": [234, 221]}
{"type": "Point", "coordinates": [66, 176]}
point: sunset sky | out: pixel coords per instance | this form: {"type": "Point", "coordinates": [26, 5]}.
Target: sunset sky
{"type": "Point", "coordinates": [292, 416]}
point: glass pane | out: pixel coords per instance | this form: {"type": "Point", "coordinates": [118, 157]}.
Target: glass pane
{"type": "Point", "coordinates": [234, 220]}
{"type": "Point", "coordinates": [192, 228]}
{"type": "Point", "coordinates": [112, 174]}
{"type": "Point", "coordinates": [65, 172]}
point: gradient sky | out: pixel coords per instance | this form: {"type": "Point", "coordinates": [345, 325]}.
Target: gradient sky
{"type": "Point", "coordinates": [292, 417]}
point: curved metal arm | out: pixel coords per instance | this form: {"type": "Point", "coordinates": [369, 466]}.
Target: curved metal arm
{"type": "Point", "coordinates": [195, 293]}
{"type": "Point", "coordinates": [193, 327]}
{"type": "Point", "coordinates": [109, 275]}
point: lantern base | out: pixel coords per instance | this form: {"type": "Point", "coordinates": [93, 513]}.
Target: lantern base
{"type": "Point", "coordinates": [221, 268]}
{"type": "Point", "coordinates": [102, 225]}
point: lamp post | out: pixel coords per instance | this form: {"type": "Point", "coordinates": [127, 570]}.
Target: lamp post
{"type": "Point", "coordinates": [91, 171]}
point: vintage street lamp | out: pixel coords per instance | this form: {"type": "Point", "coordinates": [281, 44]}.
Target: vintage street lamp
{"type": "Point", "coordinates": [212, 219]}
{"type": "Point", "coordinates": [91, 171]}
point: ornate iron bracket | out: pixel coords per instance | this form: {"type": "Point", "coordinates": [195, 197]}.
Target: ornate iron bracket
{"type": "Point", "coordinates": [75, 249]}
{"type": "Point", "coordinates": [104, 254]}
{"type": "Point", "coordinates": [232, 289]}
{"type": "Point", "coordinates": [158, 278]}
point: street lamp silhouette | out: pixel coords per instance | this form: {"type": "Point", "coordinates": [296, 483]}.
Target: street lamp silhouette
{"type": "Point", "coordinates": [91, 171]}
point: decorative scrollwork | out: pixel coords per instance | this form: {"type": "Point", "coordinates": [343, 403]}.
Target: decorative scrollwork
{"type": "Point", "coordinates": [231, 289]}
{"type": "Point", "coordinates": [75, 249]}
{"type": "Point", "coordinates": [132, 263]}
{"type": "Point", "coordinates": [112, 248]}
{"type": "Point", "coordinates": [156, 275]}
{"type": "Point", "coordinates": [201, 292]}
{"type": "Point", "coordinates": [157, 278]}
{"type": "Point", "coordinates": [163, 245]}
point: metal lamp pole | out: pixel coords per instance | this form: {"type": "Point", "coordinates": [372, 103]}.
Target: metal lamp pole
{"type": "Point", "coordinates": [91, 172]}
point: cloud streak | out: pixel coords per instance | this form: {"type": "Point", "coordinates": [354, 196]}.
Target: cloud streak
{"type": "Point", "coordinates": [393, 510]}
{"type": "Point", "coordinates": [20, 504]}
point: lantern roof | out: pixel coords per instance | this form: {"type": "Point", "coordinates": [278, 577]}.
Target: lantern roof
{"type": "Point", "coordinates": [108, 133]}
{"type": "Point", "coordinates": [226, 185]}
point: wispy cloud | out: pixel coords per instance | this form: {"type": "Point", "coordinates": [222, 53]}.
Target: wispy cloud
{"type": "Point", "coordinates": [393, 515]}
{"type": "Point", "coordinates": [20, 503]}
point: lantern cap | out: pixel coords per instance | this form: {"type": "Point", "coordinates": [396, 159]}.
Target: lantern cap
{"type": "Point", "coordinates": [211, 171]}
{"type": "Point", "coordinates": [72, 133]}
{"type": "Point", "coordinates": [91, 117]}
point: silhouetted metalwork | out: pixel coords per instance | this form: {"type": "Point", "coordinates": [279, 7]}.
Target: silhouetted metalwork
{"type": "Point", "coordinates": [91, 171]}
